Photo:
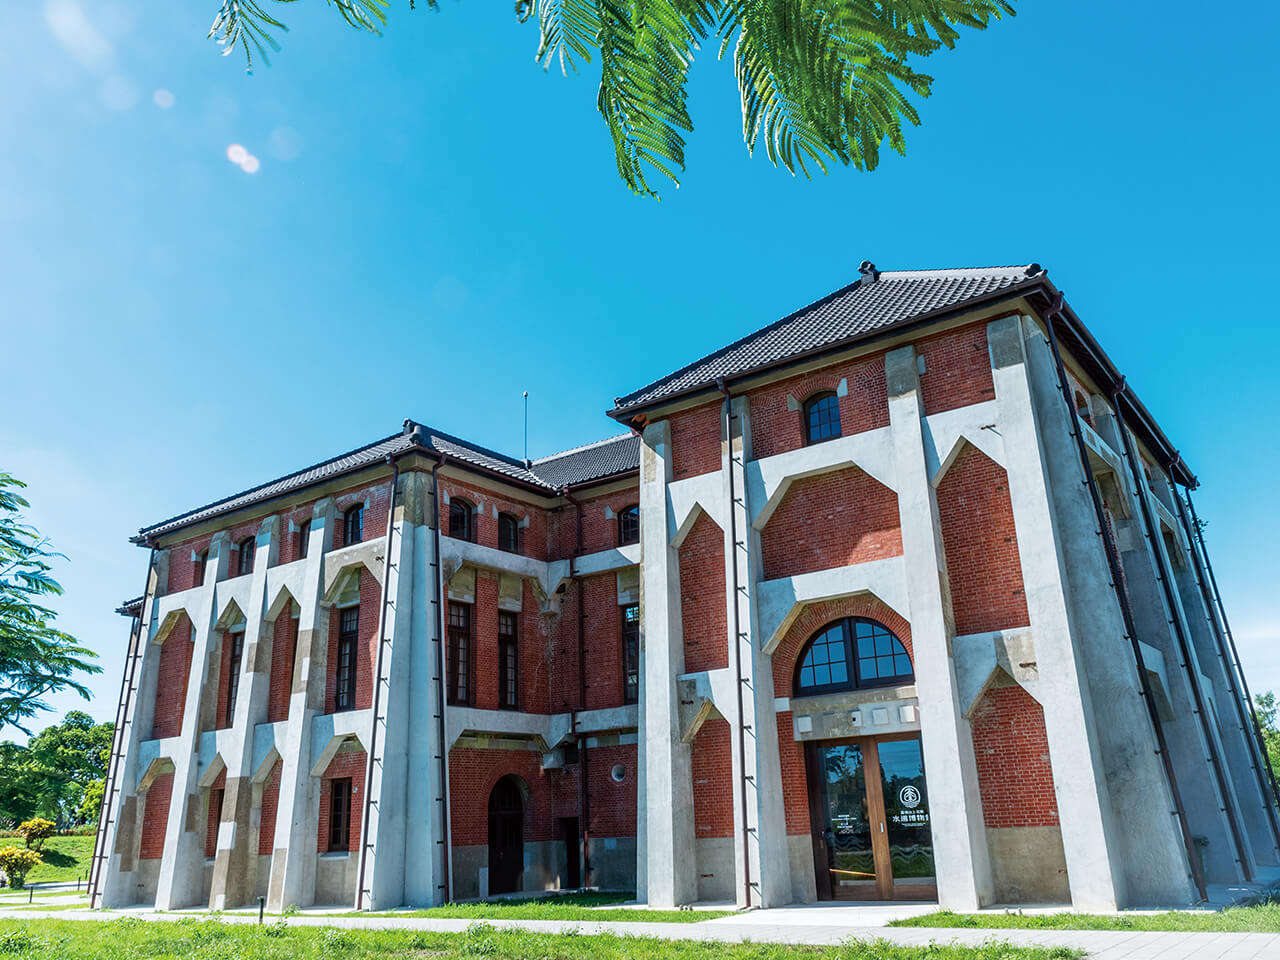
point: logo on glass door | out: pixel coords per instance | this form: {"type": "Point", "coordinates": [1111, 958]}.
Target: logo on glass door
{"type": "Point", "coordinates": [909, 797]}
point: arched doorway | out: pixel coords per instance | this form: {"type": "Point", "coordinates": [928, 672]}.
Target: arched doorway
{"type": "Point", "coordinates": [506, 836]}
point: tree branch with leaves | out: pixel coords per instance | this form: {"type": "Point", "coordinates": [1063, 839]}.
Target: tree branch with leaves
{"type": "Point", "coordinates": [822, 82]}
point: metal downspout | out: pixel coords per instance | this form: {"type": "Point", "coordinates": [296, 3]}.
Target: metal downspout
{"type": "Point", "coordinates": [437, 586]}
{"type": "Point", "coordinates": [732, 559]}
{"type": "Point", "coordinates": [584, 799]}
{"type": "Point", "coordinates": [377, 684]}
{"type": "Point", "coordinates": [1164, 574]}
{"type": "Point", "coordinates": [1259, 762]}
{"type": "Point", "coordinates": [127, 687]}
{"type": "Point", "coordinates": [1126, 612]}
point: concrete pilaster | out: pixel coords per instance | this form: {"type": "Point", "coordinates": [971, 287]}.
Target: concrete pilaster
{"type": "Point", "coordinates": [959, 836]}
{"type": "Point", "coordinates": [668, 850]}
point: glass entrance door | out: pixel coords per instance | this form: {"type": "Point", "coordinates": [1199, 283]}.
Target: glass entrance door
{"type": "Point", "coordinates": [870, 812]}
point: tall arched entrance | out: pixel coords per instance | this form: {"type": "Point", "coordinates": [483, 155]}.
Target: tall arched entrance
{"type": "Point", "coordinates": [506, 836]}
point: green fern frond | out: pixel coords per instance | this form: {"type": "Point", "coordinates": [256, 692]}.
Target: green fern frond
{"type": "Point", "coordinates": [566, 28]}
{"type": "Point", "coordinates": [246, 24]}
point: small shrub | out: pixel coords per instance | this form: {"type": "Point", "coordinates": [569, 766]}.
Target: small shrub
{"type": "Point", "coordinates": [277, 929]}
{"type": "Point", "coordinates": [36, 831]}
{"type": "Point", "coordinates": [15, 862]}
{"type": "Point", "coordinates": [479, 941]}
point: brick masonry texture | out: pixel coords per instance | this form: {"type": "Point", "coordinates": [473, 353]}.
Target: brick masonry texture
{"type": "Point", "coordinates": [702, 597]}
{"type": "Point", "coordinates": [957, 369]}
{"type": "Point", "coordinates": [171, 682]}
{"type": "Point", "coordinates": [155, 818]}
{"type": "Point", "coordinates": [216, 788]}
{"type": "Point", "coordinates": [695, 441]}
{"type": "Point", "coordinates": [981, 546]}
{"type": "Point", "coordinates": [374, 521]}
{"type": "Point", "coordinates": [533, 536]}
{"type": "Point", "coordinates": [831, 520]}
{"type": "Point", "coordinates": [818, 615]}
{"type": "Point", "coordinates": [348, 764]}
{"type": "Point", "coordinates": [366, 645]}
{"type": "Point", "coordinates": [1014, 774]}
{"type": "Point", "coordinates": [284, 640]}
{"type": "Point", "coordinates": [270, 803]}
{"type": "Point", "coordinates": [712, 762]}
{"type": "Point", "coordinates": [795, 789]}
{"type": "Point", "coordinates": [865, 406]}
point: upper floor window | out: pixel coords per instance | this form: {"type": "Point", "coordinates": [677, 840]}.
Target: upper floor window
{"type": "Point", "coordinates": [236, 640]}
{"type": "Point", "coordinates": [344, 693]}
{"type": "Point", "coordinates": [244, 556]}
{"type": "Point", "coordinates": [353, 525]}
{"type": "Point", "coordinates": [461, 520]}
{"type": "Point", "coordinates": [198, 567]}
{"type": "Point", "coordinates": [459, 653]}
{"type": "Point", "coordinates": [821, 418]}
{"type": "Point", "coordinates": [508, 661]}
{"type": "Point", "coordinates": [631, 653]}
{"type": "Point", "coordinates": [304, 539]}
{"type": "Point", "coordinates": [508, 533]}
{"type": "Point", "coordinates": [850, 654]}
{"type": "Point", "coordinates": [340, 815]}
{"type": "Point", "coordinates": [629, 525]}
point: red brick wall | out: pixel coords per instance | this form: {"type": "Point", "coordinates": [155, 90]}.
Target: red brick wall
{"type": "Point", "coordinates": [284, 639]}
{"type": "Point", "coordinates": [236, 534]}
{"type": "Point", "coordinates": [775, 429]}
{"type": "Point", "coordinates": [981, 545]}
{"type": "Point", "coordinates": [603, 647]}
{"type": "Point", "coordinates": [712, 762]}
{"type": "Point", "coordinates": [290, 549]}
{"type": "Point", "coordinates": [270, 804]}
{"type": "Point", "coordinates": [831, 520]}
{"type": "Point", "coordinates": [613, 804]}
{"type": "Point", "coordinates": [795, 788]}
{"type": "Point", "coordinates": [366, 645]}
{"type": "Point", "coordinates": [957, 368]}
{"type": "Point", "coordinates": [155, 818]}
{"type": "Point", "coordinates": [350, 764]}
{"type": "Point", "coordinates": [695, 440]}
{"type": "Point", "coordinates": [533, 538]}
{"type": "Point", "coordinates": [218, 786]}
{"type": "Point", "coordinates": [1014, 774]}
{"type": "Point", "coordinates": [374, 524]}
{"type": "Point", "coordinates": [472, 775]}
{"type": "Point", "coordinates": [599, 532]}
{"type": "Point", "coordinates": [818, 615]}
{"type": "Point", "coordinates": [223, 719]}
{"type": "Point", "coordinates": [484, 639]}
{"type": "Point", "coordinates": [702, 596]}
{"type": "Point", "coordinates": [171, 681]}
{"type": "Point", "coordinates": [182, 569]}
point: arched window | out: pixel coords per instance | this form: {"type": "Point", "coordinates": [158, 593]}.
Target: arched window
{"type": "Point", "coordinates": [629, 525]}
{"type": "Point", "coordinates": [1082, 408]}
{"type": "Point", "coordinates": [353, 525]}
{"type": "Point", "coordinates": [821, 418]}
{"type": "Point", "coordinates": [508, 533]}
{"type": "Point", "coordinates": [244, 556]}
{"type": "Point", "coordinates": [850, 654]}
{"type": "Point", "coordinates": [460, 520]}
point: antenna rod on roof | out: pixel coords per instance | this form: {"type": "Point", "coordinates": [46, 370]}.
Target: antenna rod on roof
{"type": "Point", "coordinates": [526, 428]}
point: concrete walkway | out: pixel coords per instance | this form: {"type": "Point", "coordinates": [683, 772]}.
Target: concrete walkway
{"type": "Point", "coordinates": [795, 925]}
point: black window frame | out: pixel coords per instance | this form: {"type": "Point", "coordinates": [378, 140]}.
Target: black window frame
{"type": "Point", "coordinates": [629, 525]}
{"type": "Point", "coordinates": [508, 660]}
{"type": "Point", "coordinates": [353, 533]}
{"type": "Point", "coordinates": [466, 511]}
{"type": "Point", "coordinates": [509, 531]}
{"type": "Point", "coordinates": [304, 539]}
{"type": "Point", "coordinates": [339, 815]}
{"type": "Point", "coordinates": [245, 553]}
{"type": "Point", "coordinates": [630, 652]}
{"type": "Point", "coordinates": [817, 405]}
{"type": "Point", "coordinates": [234, 663]}
{"type": "Point", "coordinates": [344, 667]}
{"type": "Point", "coordinates": [459, 625]}
{"type": "Point", "coordinates": [853, 659]}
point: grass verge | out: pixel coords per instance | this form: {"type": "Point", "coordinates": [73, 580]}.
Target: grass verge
{"type": "Point", "coordinates": [65, 858]}
{"type": "Point", "coordinates": [568, 906]}
{"type": "Point", "coordinates": [1264, 918]}
{"type": "Point", "coordinates": [212, 940]}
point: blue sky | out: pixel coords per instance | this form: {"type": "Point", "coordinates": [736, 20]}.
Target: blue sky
{"type": "Point", "coordinates": [435, 225]}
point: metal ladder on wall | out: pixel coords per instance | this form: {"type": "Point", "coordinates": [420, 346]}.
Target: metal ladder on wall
{"type": "Point", "coordinates": [109, 810]}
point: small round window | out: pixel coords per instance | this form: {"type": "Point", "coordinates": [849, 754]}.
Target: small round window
{"type": "Point", "coordinates": [619, 773]}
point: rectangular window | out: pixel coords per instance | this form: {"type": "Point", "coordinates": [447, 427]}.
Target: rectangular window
{"type": "Point", "coordinates": [631, 653]}
{"type": "Point", "coordinates": [508, 662]}
{"type": "Point", "coordinates": [215, 818]}
{"type": "Point", "coordinates": [340, 815]}
{"type": "Point", "coordinates": [233, 673]}
{"type": "Point", "coordinates": [304, 539]}
{"type": "Point", "coordinates": [344, 695]}
{"type": "Point", "coordinates": [459, 653]}
{"type": "Point", "coordinates": [198, 567]}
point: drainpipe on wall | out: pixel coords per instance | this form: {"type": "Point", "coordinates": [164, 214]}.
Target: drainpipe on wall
{"type": "Point", "coordinates": [584, 800]}
{"type": "Point", "coordinates": [732, 560]}
{"type": "Point", "coordinates": [377, 684]}
{"type": "Point", "coordinates": [1126, 612]}
{"type": "Point", "coordinates": [437, 586]}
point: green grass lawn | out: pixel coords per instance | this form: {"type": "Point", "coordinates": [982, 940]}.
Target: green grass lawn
{"type": "Point", "coordinates": [65, 858]}
{"type": "Point", "coordinates": [211, 940]}
{"type": "Point", "coordinates": [1260, 919]}
{"type": "Point", "coordinates": [568, 906]}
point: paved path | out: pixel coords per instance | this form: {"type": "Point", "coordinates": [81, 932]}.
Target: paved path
{"type": "Point", "coordinates": [760, 927]}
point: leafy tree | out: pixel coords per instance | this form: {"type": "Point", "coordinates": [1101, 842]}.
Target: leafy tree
{"type": "Point", "coordinates": [36, 831]}
{"type": "Point", "coordinates": [1270, 732]}
{"type": "Point", "coordinates": [16, 862]}
{"type": "Point", "coordinates": [35, 658]}
{"type": "Point", "coordinates": [57, 774]}
{"type": "Point", "coordinates": [821, 82]}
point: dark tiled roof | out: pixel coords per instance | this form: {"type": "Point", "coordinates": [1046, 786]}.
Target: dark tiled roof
{"type": "Point", "coordinates": [581, 465]}
{"type": "Point", "coordinates": [130, 608]}
{"type": "Point", "coordinates": [868, 305]}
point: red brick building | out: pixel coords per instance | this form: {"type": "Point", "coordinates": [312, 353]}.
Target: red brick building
{"type": "Point", "coordinates": [920, 524]}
